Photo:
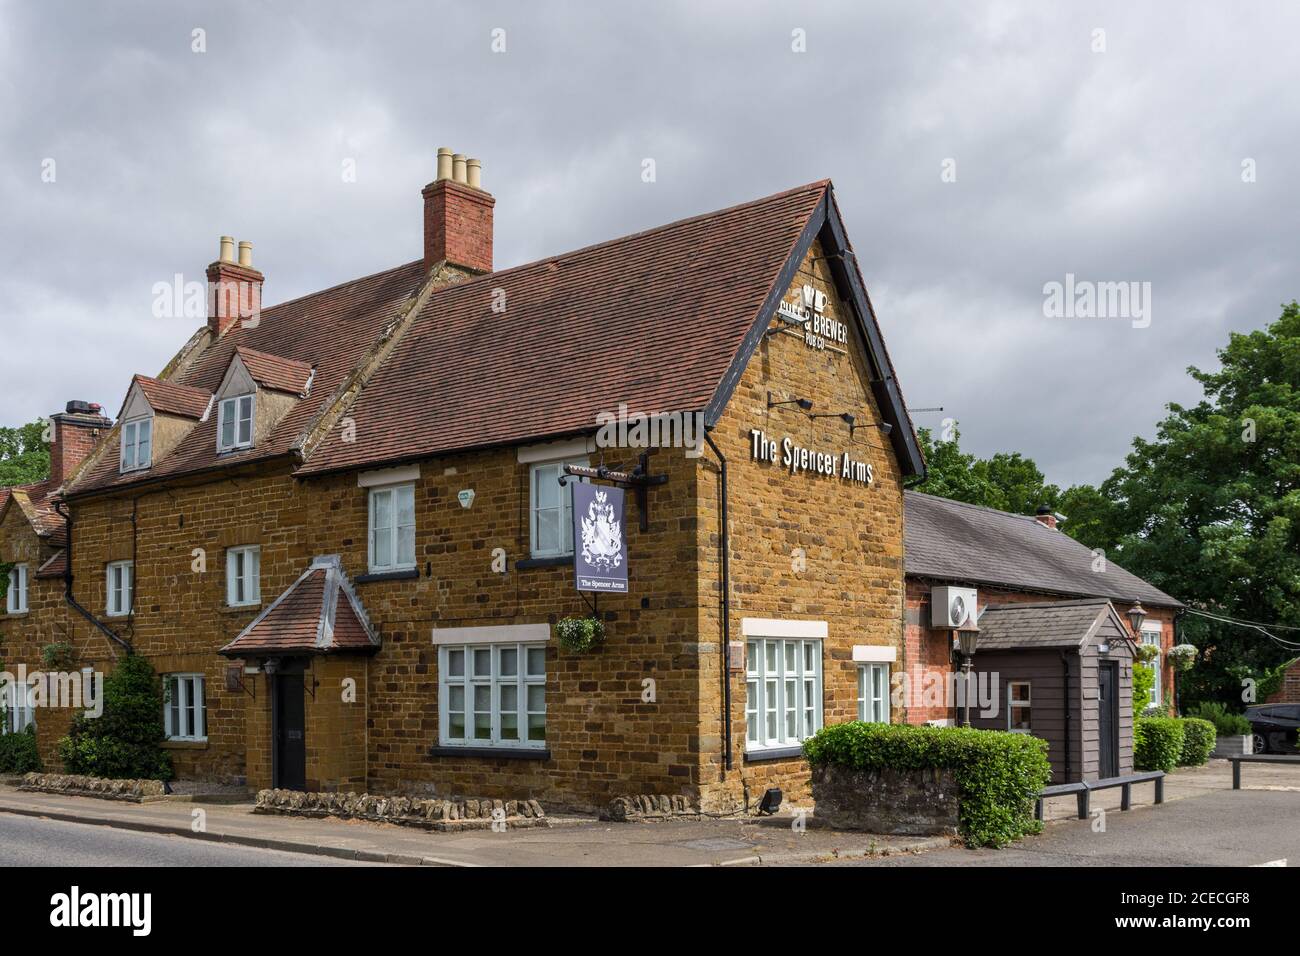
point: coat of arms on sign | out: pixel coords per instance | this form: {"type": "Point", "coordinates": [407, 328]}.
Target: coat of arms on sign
{"type": "Point", "coordinates": [602, 539]}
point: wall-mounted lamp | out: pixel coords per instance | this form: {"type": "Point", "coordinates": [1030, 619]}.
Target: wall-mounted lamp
{"type": "Point", "coordinates": [846, 417]}
{"type": "Point", "coordinates": [803, 403]}
{"type": "Point", "coordinates": [885, 427]}
{"type": "Point", "coordinates": [1136, 615]}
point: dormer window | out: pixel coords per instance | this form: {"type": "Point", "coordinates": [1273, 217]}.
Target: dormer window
{"type": "Point", "coordinates": [137, 444]}
{"type": "Point", "coordinates": [235, 425]}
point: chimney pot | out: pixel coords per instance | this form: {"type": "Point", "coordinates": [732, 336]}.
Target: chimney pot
{"type": "Point", "coordinates": [458, 215]}
{"type": "Point", "coordinates": [227, 249]}
{"type": "Point", "coordinates": [444, 163]}
{"type": "Point", "coordinates": [474, 173]}
{"type": "Point", "coordinates": [246, 255]}
{"type": "Point", "coordinates": [458, 168]}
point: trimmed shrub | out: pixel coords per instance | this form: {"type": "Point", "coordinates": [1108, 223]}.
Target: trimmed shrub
{"type": "Point", "coordinates": [999, 774]}
{"type": "Point", "coordinates": [18, 753]}
{"type": "Point", "coordinates": [1198, 741]}
{"type": "Point", "coordinates": [125, 742]}
{"type": "Point", "coordinates": [1226, 723]}
{"type": "Point", "coordinates": [1157, 743]}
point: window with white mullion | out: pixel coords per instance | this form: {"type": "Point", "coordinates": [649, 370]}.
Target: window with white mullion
{"type": "Point", "coordinates": [493, 695]}
{"type": "Point", "coordinates": [16, 595]}
{"type": "Point", "coordinates": [235, 426]}
{"type": "Point", "coordinates": [137, 444]}
{"type": "Point", "coordinates": [783, 692]}
{"type": "Point", "coordinates": [873, 693]}
{"type": "Point", "coordinates": [392, 528]}
{"type": "Point", "coordinates": [185, 715]}
{"type": "Point", "coordinates": [120, 588]}
{"type": "Point", "coordinates": [243, 573]}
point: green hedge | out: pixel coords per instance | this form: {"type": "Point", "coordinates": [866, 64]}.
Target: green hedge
{"type": "Point", "coordinates": [1226, 723]}
{"type": "Point", "coordinates": [125, 742]}
{"type": "Point", "coordinates": [999, 775]}
{"type": "Point", "coordinates": [1198, 741]}
{"type": "Point", "coordinates": [18, 753]}
{"type": "Point", "coordinates": [1157, 743]}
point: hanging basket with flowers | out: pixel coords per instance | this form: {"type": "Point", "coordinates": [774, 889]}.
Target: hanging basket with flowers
{"type": "Point", "coordinates": [580, 634]}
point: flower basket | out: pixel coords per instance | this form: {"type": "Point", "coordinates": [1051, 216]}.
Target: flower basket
{"type": "Point", "coordinates": [1182, 656]}
{"type": "Point", "coordinates": [580, 634]}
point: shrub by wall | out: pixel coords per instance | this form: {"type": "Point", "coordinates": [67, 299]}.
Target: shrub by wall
{"type": "Point", "coordinates": [1198, 741]}
{"type": "Point", "coordinates": [18, 753]}
{"type": "Point", "coordinates": [1226, 723]}
{"type": "Point", "coordinates": [125, 741]}
{"type": "Point", "coordinates": [999, 775]}
{"type": "Point", "coordinates": [1157, 743]}
{"type": "Point", "coordinates": [1144, 682]}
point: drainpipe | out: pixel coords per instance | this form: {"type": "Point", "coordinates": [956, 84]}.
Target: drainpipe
{"type": "Point", "coordinates": [67, 585]}
{"type": "Point", "coordinates": [725, 545]}
{"type": "Point", "coordinates": [1065, 665]}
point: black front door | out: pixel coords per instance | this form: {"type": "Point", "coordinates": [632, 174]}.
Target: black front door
{"type": "Point", "coordinates": [1108, 719]}
{"type": "Point", "coordinates": [288, 728]}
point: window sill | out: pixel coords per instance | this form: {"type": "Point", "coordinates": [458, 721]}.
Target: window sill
{"type": "Point", "coordinates": [406, 574]}
{"type": "Point", "coordinates": [9, 614]}
{"type": "Point", "coordinates": [774, 753]}
{"type": "Point", "coordinates": [185, 744]}
{"type": "Point", "coordinates": [493, 753]}
{"type": "Point", "coordinates": [558, 561]}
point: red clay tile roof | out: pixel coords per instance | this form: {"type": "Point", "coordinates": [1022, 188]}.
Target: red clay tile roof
{"type": "Point", "coordinates": [330, 330]}
{"type": "Point", "coordinates": [320, 613]}
{"type": "Point", "coordinates": [653, 319]}
{"type": "Point", "coordinates": [274, 372]}
{"type": "Point", "coordinates": [55, 567]}
{"type": "Point", "coordinates": [37, 504]}
{"type": "Point", "coordinates": [173, 399]}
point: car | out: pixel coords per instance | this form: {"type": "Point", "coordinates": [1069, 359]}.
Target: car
{"type": "Point", "coordinates": [1274, 727]}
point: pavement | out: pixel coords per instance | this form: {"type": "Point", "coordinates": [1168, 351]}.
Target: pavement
{"type": "Point", "coordinates": [1200, 808]}
{"type": "Point", "coordinates": [569, 841]}
{"type": "Point", "coordinates": [1218, 828]}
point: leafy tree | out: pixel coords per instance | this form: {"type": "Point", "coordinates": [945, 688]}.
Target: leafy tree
{"type": "Point", "coordinates": [24, 454]}
{"type": "Point", "coordinates": [1209, 510]}
{"type": "Point", "coordinates": [1008, 481]}
{"type": "Point", "coordinates": [125, 741]}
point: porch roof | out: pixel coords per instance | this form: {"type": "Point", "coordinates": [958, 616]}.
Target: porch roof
{"type": "Point", "coordinates": [1069, 624]}
{"type": "Point", "coordinates": [319, 613]}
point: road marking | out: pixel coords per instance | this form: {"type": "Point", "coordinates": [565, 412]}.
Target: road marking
{"type": "Point", "coordinates": [1281, 862]}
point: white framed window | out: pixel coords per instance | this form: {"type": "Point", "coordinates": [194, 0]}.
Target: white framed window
{"type": "Point", "coordinates": [550, 509]}
{"type": "Point", "coordinates": [20, 706]}
{"type": "Point", "coordinates": [121, 579]}
{"type": "Point", "coordinates": [492, 695]}
{"type": "Point", "coordinates": [137, 444]}
{"type": "Point", "coordinates": [185, 713]}
{"type": "Point", "coordinates": [783, 691]}
{"type": "Point", "coordinates": [16, 593]}
{"type": "Point", "coordinates": [1018, 707]}
{"type": "Point", "coordinates": [235, 423]}
{"type": "Point", "coordinates": [873, 693]}
{"type": "Point", "coordinates": [392, 528]}
{"type": "Point", "coordinates": [243, 576]}
{"type": "Point", "coordinates": [1151, 635]}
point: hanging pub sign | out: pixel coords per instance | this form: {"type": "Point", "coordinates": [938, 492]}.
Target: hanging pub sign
{"type": "Point", "coordinates": [599, 547]}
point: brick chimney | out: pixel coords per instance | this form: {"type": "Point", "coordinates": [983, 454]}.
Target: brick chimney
{"type": "Point", "coordinates": [73, 434]}
{"type": "Point", "coordinates": [1044, 516]}
{"type": "Point", "coordinates": [234, 289]}
{"type": "Point", "coordinates": [458, 215]}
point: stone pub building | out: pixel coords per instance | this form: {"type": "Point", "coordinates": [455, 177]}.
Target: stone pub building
{"type": "Point", "coordinates": [336, 528]}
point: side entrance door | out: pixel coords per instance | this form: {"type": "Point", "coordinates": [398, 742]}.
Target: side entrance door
{"type": "Point", "coordinates": [1108, 719]}
{"type": "Point", "coordinates": [289, 731]}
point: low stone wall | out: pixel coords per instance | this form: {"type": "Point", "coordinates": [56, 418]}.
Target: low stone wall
{"type": "Point", "coordinates": [907, 802]}
{"type": "Point", "coordinates": [406, 811]}
{"type": "Point", "coordinates": [647, 807]}
{"type": "Point", "coordinates": [1233, 746]}
{"type": "Point", "coordinates": [133, 790]}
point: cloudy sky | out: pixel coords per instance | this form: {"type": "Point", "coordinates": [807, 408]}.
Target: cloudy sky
{"type": "Point", "coordinates": [979, 151]}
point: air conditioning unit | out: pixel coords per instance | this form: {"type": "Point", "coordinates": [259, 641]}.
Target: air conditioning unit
{"type": "Point", "coordinates": [952, 607]}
